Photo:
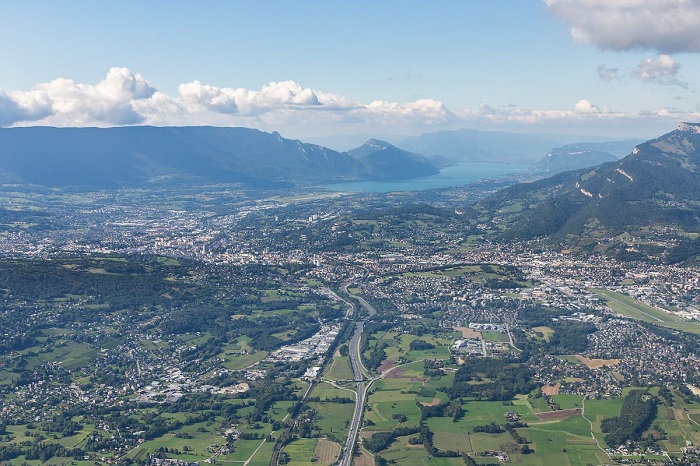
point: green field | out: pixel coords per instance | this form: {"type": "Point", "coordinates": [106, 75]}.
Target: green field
{"type": "Point", "coordinates": [399, 347]}
{"type": "Point", "coordinates": [401, 453]}
{"type": "Point", "coordinates": [301, 451]}
{"type": "Point", "coordinates": [325, 391]}
{"type": "Point", "coordinates": [339, 369]}
{"type": "Point", "coordinates": [332, 419]}
{"type": "Point", "coordinates": [238, 361]}
{"type": "Point", "coordinates": [495, 336]}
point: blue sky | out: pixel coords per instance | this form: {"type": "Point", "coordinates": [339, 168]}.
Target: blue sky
{"type": "Point", "coordinates": [628, 67]}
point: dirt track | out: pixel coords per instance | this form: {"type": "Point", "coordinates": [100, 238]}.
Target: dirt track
{"type": "Point", "coordinates": [553, 415]}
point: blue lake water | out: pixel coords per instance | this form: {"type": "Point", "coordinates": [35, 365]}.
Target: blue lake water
{"type": "Point", "coordinates": [464, 173]}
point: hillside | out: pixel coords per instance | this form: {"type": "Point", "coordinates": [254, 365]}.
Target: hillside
{"type": "Point", "coordinates": [385, 161]}
{"type": "Point", "coordinates": [583, 155]}
{"type": "Point", "coordinates": [142, 155]}
{"type": "Point", "coordinates": [613, 206]}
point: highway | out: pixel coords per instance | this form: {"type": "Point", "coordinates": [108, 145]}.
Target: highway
{"type": "Point", "coordinates": [360, 374]}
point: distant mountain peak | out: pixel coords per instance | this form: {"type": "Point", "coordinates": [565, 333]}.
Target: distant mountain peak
{"type": "Point", "coordinates": [655, 189]}
{"type": "Point", "coordinates": [689, 127]}
{"type": "Point", "coordinates": [381, 158]}
{"type": "Point", "coordinates": [378, 143]}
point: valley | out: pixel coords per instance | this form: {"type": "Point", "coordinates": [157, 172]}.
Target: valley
{"type": "Point", "coordinates": [236, 325]}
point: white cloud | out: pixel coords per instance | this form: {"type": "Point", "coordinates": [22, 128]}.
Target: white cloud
{"type": "Point", "coordinates": [197, 97]}
{"type": "Point", "coordinates": [660, 70]}
{"type": "Point", "coordinates": [124, 98]}
{"type": "Point", "coordinates": [585, 106]}
{"type": "Point", "coordinates": [667, 26]}
{"type": "Point", "coordinates": [427, 111]}
{"type": "Point", "coordinates": [607, 73]}
{"type": "Point", "coordinates": [64, 102]}
{"type": "Point", "coordinates": [10, 111]}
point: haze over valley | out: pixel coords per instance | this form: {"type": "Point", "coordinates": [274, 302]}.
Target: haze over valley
{"type": "Point", "coordinates": [265, 233]}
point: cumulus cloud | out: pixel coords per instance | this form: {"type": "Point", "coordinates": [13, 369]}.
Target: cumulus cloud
{"type": "Point", "coordinates": [64, 101]}
{"type": "Point", "coordinates": [124, 98]}
{"type": "Point", "coordinates": [10, 112]}
{"type": "Point", "coordinates": [607, 74]}
{"type": "Point", "coordinates": [667, 26]}
{"type": "Point", "coordinates": [660, 70]}
{"type": "Point", "coordinates": [428, 111]}
{"type": "Point", "coordinates": [585, 106]}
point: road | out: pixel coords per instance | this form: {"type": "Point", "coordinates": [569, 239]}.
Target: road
{"type": "Point", "coordinates": [360, 374]}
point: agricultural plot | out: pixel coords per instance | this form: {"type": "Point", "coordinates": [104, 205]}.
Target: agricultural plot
{"type": "Point", "coordinates": [326, 452]}
{"type": "Point", "coordinates": [237, 361]}
{"type": "Point", "coordinates": [301, 451]}
{"type": "Point", "coordinates": [326, 391]}
{"type": "Point", "coordinates": [402, 453]}
{"type": "Point", "coordinates": [332, 419]}
{"type": "Point", "coordinates": [339, 369]}
{"type": "Point", "coordinates": [400, 347]}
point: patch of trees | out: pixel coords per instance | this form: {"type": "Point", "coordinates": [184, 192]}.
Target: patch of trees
{"type": "Point", "coordinates": [664, 393]}
{"type": "Point", "coordinates": [420, 345]}
{"type": "Point", "coordinates": [492, 428]}
{"type": "Point", "coordinates": [638, 411]}
{"type": "Point", "coordinates": [451, 409]}
{"type": "Point", "coordinates": [126, 284]}
{"type": "Point", "coordinates": [427, 436]}
{"type": "Point", "coordinates": [685, 250]}
{"type": "Point", "coordinates": [570, 337]}
{"type": "Point", "coordinates": [327, 313]}
{"type": "Point", "coordinates": [381, 440]}
{"type": "Point", "coordinates": [382, 305]}
{"type": "Point", "coordinates": [10, 452]}
{"type": "Point", "coordinates": [376, 355]}
{"type": "Point", "coordinates": [516, 436]}
{"type": "Point", "coordinates": [505, 380]}
{"type": "Point", "coordinates": [194, 320]}
{"type": "Point", "coordinates": [62, 424]}
{"type": "Point", "coordinates": [501, 283]}
{"type": "Point", "coordinates": [536, 315]}
{"type": "Point", "coordinates": [266, 392]}
{"type": "Point", "coordinates": [45, 451]}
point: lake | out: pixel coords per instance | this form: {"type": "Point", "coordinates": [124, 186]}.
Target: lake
{"type": "Point", "coordinates": [464, 173]}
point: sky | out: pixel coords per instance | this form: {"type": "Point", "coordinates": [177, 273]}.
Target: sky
{"type": "Point", "coordinates": [308, 69]}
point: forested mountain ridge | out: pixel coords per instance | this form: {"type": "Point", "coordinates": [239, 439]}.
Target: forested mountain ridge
{"type": "Point", "coordinates": [144, 155]}
{"type": "Point", "coordinates": [656, 187]}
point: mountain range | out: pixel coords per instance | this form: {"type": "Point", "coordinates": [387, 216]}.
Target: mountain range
{"type": "Point", "coordinates": [143, 155]}
{"type": "Point", "coordinates": [467, 145]}
{"type": "Point", "coordinates": [654, 189]}
{"type": "Point", "coordinates": [583, 155]}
